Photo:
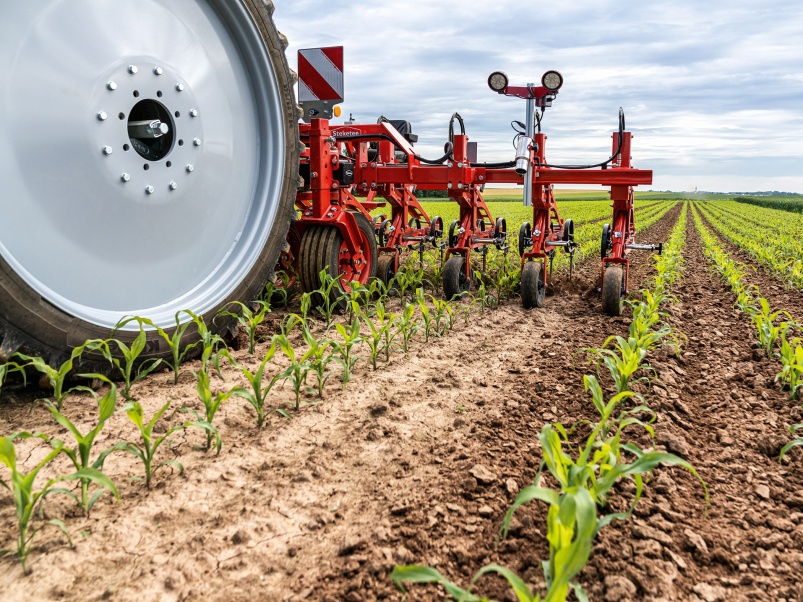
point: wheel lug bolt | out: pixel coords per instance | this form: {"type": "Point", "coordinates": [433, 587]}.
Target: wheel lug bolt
{"type": "Point", "coordinates": [179, 87]}
{"type": "Point", "coordinates": [111, 85]}
{"type": "Point", "coordinates": [125, 177]}
{"type": "Point", "coordinates": [102, 116]}
{"type": "Point", "coordinates": [173, 185]}
{"type": "Point", "coordinates": [132, 69]}
{"type": "Point", "coordinates": [193, 113]}
{"type": "Point", "coordinates": [149, 189]}
{"type": "Point", "coordinates": [157, 71]}
{"type": "Point", "coordinates": [197, 142]}
{"type": "Point", "coordinates": [190, 168]}
{"type": "Point", "coordinates": [107, 150]}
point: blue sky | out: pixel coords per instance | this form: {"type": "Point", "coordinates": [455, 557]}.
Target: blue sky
{"type": "Point", "coordinates": [712, 91]}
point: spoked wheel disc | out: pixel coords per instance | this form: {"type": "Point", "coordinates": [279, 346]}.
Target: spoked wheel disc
{"type": "Point", "coordinates": [455, 282]}
{"type": "Point", "coordinates": [613, 290]}
{"type": "Point", "coordinates": [533, 288]}
{"type": "Point", "coordinates": [149, 156]}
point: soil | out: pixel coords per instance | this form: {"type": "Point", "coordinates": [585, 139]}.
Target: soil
{"type": "Point", "coordinates": [418, 462]}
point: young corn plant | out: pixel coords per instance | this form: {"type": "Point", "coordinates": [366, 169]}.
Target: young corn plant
{"type": "Point", "coordinates": [258, 394]}
{"type": "Point", "coordinates": [298, 369]}
{"type": "Point", "coordinates": [9, 368]}
{"type": "Point", "coordinates": [212, 344]}
{"type": "Point", "coordinates": [27, 498]}
{"type": "Point", "coordinates": [350, 338]}
{"type": "Point", "coordinates": [57, 377]}
{"type": "Point", "coordinates": [248, 317]}
{"type": "Point", "coordinates": [427, 318]}
{"type": "Point", "coordinates": [149, 444]}
{"type": "Point", "coordinates": [797, 441]}
{"type": "Point", "coordinates": [408, 326]}
{"type": "Point", "coordinates": [791, 374]}
{"type": "Point", "coordinates": [177, 352]}
{"type": "Point", "coordinates": [768, 333]}
{"type": "Point", "coordinates": [381, 333]}
{"type": "Point", "coordinates": [328, 297]}
{"type": "Point", "coordinates": [80, 456]}
{"type": "Point", "coordinates": [274, 290]}
{"type": "Point", "coordinates": [444, 315]}
{"type": "Point", "coordinates": [212, 403]}
{"type": "Point", "coordinates": [320, 355]}
{"type": "Point", "coordinates": [130, 356]}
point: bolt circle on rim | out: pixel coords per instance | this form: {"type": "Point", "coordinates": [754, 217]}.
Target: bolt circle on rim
{"type": "Point", "coordinates": [156, 254]}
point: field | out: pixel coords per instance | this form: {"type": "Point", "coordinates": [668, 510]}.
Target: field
{"type": "Point", "coordinates": [664, 481]}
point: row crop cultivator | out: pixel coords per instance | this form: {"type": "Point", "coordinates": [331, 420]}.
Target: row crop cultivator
{"type": "Point", "coordinates": [350, 169]}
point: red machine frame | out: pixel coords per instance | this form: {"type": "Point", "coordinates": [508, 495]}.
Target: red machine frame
{"type": "Point", "coordinates": [347, 167]}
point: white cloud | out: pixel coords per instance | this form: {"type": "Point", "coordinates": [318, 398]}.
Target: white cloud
{"type": "Point", "coordinates": [712, 91]}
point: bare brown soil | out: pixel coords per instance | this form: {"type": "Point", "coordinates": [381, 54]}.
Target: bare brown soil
{"type": "Point", "coordinates": [418, 462]}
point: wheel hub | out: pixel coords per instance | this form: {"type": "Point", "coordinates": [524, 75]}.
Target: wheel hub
{"type": "Point", "coordinates": [149, 129]}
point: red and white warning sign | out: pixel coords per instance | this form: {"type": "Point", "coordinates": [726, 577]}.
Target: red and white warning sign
{"type": "Point", "coordinates": [320, 80]}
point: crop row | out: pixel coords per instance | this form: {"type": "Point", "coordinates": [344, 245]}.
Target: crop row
{"type": "Point", "coordinates": [584, 475]}
{"type": "Point", "coordinates": [311, 342]}
{"type": "Point", "coordinates": [774, 329]}
{"type": "Point", "coordinates": [778, 248]}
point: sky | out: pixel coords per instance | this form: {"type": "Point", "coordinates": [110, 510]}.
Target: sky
{"type": "Point", "coordinates": [712, 90]}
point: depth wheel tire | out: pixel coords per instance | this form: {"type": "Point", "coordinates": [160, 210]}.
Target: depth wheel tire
{"type": "Point", "coordinates": [323, 247]}
{"type": "Point", "coordinates": [123, 222]}
{"type": "Point", "coordinates": [455, 283]}
{"type": "Point", "coordinates": [605, 243]}
{"type": "Point", "coordinates": [533, 290]}
{"type": "Point", "coordinates": [613, 290]}
{"type": "Point", "coordinates": [385, 268]}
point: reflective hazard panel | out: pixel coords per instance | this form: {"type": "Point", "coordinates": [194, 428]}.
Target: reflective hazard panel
{"type": "Point", "coordinates": [320, 80]}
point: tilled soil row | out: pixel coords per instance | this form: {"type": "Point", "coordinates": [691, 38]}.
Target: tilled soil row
{"type": "Point", "coordinates": [414, 463]}
{"type": "Point", "coordinates": [718, 408]}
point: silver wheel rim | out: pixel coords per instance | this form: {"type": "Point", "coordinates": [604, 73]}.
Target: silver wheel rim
{"type": "Point", "coordinates": [93, 226]}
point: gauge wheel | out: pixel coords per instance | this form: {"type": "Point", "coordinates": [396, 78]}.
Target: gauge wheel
{"type": "Point", "coordinates": [455, 282]}
{"type": "Point", "coordinates": [323, 248]}
{"type": "Point", "coordinates": [613, 290]}
{"type": "Point", "coordinates": [533, 289]}
{"type": "Point", "coordinates": [147, 173]}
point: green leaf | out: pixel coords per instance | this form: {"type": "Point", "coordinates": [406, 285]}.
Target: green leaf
{"type": "Point", "coordinates": [520, 588]}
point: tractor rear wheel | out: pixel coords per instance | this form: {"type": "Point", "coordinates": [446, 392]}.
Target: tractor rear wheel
{"type": "Point", "coordinates": [150, 169]}
{"type": "Point", "coordinates": [613, 290]}
{"type": "Point", "coordinates": [533, 289]}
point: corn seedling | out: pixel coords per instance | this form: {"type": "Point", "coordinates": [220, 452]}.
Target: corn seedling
{"type": "Point", "coordinates": [146, 449]}
{"type": "Point", "coordinates": [355, 296]}
{"type": "Point", "coordinates": [9, 368]}
{"type": "Point", "coordinates": [259, 388]}
{"type": "Point", "coordinates": [298, 369]}
{"type": "Point", "coordinates": [425, 574]}
{"type": "Point", "coordinates": [212, 403]}
{"type": "Point", "coordinates": [791, 374]}
{"type": "Point", "coordinates": [768, 333]}
{"type": "Point", "coordinates": [57, 378]}
{"type": "Point", "coordinates": [249, 318]}
{"type": "Point", "coordinates": [408, 278]}
{"type": "Point", "coordinates": [427, 318]}
{"type": "Point", "coordinates": [280, 291]}
{"type": "Point", "coordinates": [797, 431]}
{"type": "Point", "coordinates": [26, 498]}
{"type": "Point", "coordinates": [328, 297]}
{"type": "Point", "coordinates": [80, 456]}
{"type": "Point", "coordinates": [212, 344]}
{"type": "Point", "coordinates": [173, 341]}
{"type": "Point", "coordinates": [319, 355]}
{"type": "Point", "coordinates": [350, 337]}
{"type": "Point", "coordinates": [130, 356]}
{"type": "Point", "coordinates": [444, 315]}
{"type": "Point", "coordinates": [407, 325]}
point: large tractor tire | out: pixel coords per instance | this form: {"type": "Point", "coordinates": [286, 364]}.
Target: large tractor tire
{"type": "Point", "coordinates": [149, 160]}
